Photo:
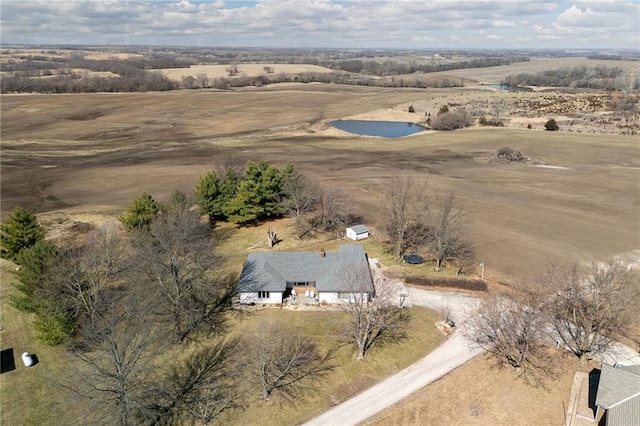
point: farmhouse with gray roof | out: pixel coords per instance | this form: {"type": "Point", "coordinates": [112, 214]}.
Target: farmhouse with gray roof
{"type": "Point", "coordinates": [619, 394]}
{"type": "Point", "coordinates": [329, 277]}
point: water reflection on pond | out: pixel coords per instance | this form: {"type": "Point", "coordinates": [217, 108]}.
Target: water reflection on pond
{"type": "Point", "coordinates": [510, 88]}
{"type": "Point", "coordinates": [385, 129]}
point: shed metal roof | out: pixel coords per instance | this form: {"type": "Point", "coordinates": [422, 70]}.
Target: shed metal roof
{"type": "Point", "coordinates": [359, 229]}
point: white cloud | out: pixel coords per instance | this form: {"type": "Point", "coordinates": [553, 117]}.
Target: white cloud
{"type": "Point", "coordinates": [367, 23]}
{"type": "Point", "coordinates": [577, 16]}
{"type": "Point", "coordinates": [594, 24]}
{"type": "Point", "coordinates": [503, 24]}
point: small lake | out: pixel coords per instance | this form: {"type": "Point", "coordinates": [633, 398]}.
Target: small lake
{"type": "Point", "coordinates": [511, 88]}
{"type": "Point", "coordinates": [385, 129]}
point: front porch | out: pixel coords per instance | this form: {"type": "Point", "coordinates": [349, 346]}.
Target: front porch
{"type": "Point", "coordinates": [305, 295]}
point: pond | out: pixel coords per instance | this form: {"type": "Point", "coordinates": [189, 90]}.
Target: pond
{"type": "Point", "coordinates": [385, 129]}
{"type": "Point", "coordinates": [511, 88]}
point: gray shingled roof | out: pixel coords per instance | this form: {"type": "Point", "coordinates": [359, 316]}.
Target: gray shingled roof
{"type": "Point", "coordinates": [359, 229]}
{"type": "Point", "coordinates": [619, 393]}
{"type": "Point", "coordinates": [337, 271]}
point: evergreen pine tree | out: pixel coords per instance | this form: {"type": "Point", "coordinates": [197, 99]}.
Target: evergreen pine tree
{"type": "Point", "coordinates": [21, 230]}
{"type": "Point", "coordinates": [140, 213]}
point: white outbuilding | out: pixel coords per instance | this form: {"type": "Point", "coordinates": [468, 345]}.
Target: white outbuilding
{"type": "Point", "coordinates": [357, 232]}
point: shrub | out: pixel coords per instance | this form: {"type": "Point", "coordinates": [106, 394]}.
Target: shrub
{"type": "Point", "coordinates": [461, 283]}
{"type": "Point", "coordinates": [443, 110]}
{"type": "Point", "coordinates": [491, 122]}
{"type": "Point", "coordinates": [509, 155]}
{"type": "Point", "coordinates": [411, 108]}
{"type": "Point", "coordinates": [452, 120]}
{"type": "Point", "coordinates": [624, 102]}
{"type": "Point", "coordinates": [551, 125]}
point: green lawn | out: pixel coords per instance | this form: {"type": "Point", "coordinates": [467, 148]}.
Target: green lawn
{"type": "Point", "coordinates": [34, 396]}
{"type": "Point", "coordinates": [350, 375]}
{"type": "Point", "coordinates": [28, 396]}
{"type": "Point", "coordinates": [234, 242]}
{"type": "Point", "coordinates": [376, 249]}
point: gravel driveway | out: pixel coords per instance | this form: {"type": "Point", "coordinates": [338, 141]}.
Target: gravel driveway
{"type": "Point", "coordinates": [454, 352]}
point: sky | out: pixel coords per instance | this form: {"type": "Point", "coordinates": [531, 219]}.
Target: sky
{"type": "Point", "coordinates": [357, 24]}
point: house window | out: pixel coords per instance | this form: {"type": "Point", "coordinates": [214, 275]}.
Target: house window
{"type": "Point", "coordinates": [291, 284]}
{"type": "Point", "coordinates": [263, 295]}
{"type": "Point", "coordinates": [344, 296]}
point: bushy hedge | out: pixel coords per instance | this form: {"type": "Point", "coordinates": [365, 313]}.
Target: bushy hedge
{"type": "Point", "coordinates": [459, 283]}
{"type": "Point", "coordinates": [451, 120]}
{"type": "Point", "coordinates": [483, 121]}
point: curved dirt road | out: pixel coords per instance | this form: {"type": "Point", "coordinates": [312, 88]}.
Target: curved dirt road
{"type": "Point", "coordinates": [454, 352]}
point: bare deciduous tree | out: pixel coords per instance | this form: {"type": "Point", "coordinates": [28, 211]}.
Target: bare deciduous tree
{"type": "Point", "coordinates": [92, 275]}
{"type": "Point", "coordinates": [300, 198]}
{"type": "Point", "coordinates": [593, 305]}
{"type": "Point", "coordinates": [177, 257]}
{"type": "Point", "coordinates": [374, 315]}
{"type": "Point", "coordinates": [232, 70]}
{"type": "Point", "coordinates": [513, 331]}
{"type": "Point", "coordinates": [404, 212]}
{"type": "Point", "coordinates": [333, 208]}
{"type": "Point", "coordinates": [198, 389]}
{"type": "Point", "coordinates": [448, 235]}
{"type": "Point", "coordinates": [203, 80]}
{"type": "Point", "coordinates": [123, 371]}
{"type": "Point", "coordinates": [283, 362]}
{"type": "Point", "coordinates": [499, 106]}
{"type": "Point", "coordinates": [125, 377]}
{"type": "Point", "coordinates": [581, 308]}
{"type": "Point", "coordinates": [118, 362]}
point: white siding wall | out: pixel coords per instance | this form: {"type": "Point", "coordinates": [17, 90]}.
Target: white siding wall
{"type": "Point", "coordinates": [350, 233]}
{"type": "Point", "coordinates": [331, 297]}
{"type": "Point", "coordinates": [274, 297]}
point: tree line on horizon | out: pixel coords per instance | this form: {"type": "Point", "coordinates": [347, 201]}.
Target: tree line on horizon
{"type": "Point", "coordinates": [41, 74]}
{"type": "Point", "coordinates": [585, 77]}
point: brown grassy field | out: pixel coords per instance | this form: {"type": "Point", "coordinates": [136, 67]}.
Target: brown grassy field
{"type": "Point", "coordinates": [479, 394]}
{"type": "Point", "coordinates": [89, 155]}
{"type": "Point", "coordinates": [244, 70]}
{"type": "Point", "coordinates": [96, 152]}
